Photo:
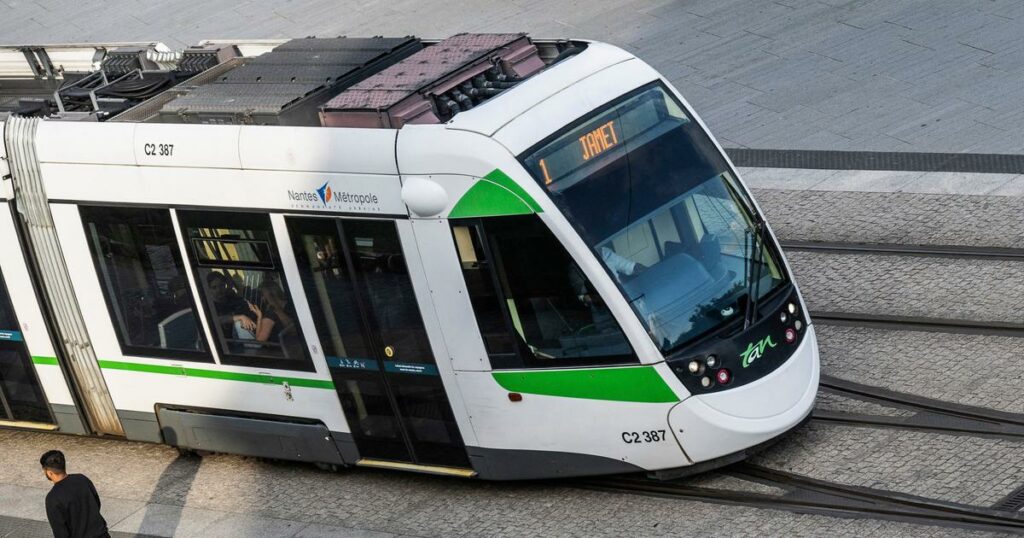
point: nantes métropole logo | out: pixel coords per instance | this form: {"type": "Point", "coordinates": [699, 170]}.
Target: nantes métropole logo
{"type": "Point", "coordinates": [325, 193]}
{"type": "Point", "coordinates": [325, 197]}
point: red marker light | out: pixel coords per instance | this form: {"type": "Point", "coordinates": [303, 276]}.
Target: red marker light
{"type": "Point", "coordinates": [723, 376]}
{"type": "Point", "coordinates": [515, 397]}
{"type": "Point", "coordinates": [790, 336]}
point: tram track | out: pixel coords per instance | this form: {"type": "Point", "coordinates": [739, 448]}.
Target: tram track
{"type": "Point", "coordinates": [807, 495]}
{"type": "Point", "coordinates": [918, 323]}
{"type": "Point", "coordinates": [935, 251]}
{"type": "Point", "coordinates": [929, 414]}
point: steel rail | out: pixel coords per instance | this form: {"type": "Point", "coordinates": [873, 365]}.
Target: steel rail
{"type": "Point", "coordinates": [914, 323]}
{"type": "Point", "coordinates": [812, 496]}
{"type": "Point", "coordinates": [941, 251]}
{"type": "Point", "coordinates": [929, 414]}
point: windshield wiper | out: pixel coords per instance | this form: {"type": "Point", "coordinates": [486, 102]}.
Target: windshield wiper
{"type": "Point", "coordinates": [754, 284]}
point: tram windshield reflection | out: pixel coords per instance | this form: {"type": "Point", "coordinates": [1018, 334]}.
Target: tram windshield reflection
{"type": "Point", "coordinates": [650, 193]}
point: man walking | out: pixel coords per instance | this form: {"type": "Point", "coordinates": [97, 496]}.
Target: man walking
{"type": "Point", "coordinates": [72, 506]}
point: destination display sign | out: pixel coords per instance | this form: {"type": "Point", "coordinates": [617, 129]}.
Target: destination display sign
{"type": "Point", "coordinates": [601, 140]}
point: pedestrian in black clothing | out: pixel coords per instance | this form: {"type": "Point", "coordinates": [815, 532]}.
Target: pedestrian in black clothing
{"type": "Point", "coordinates": [72, 506]}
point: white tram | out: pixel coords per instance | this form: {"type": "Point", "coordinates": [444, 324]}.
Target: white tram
{"type": "Point", "coordinates": [487, 256]}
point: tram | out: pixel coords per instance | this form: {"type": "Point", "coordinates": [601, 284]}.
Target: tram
{"type": "Point", "coordinates": [487, 256]}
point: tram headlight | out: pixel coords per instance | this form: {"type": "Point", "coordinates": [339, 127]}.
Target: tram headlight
{"type": "Point", "coordinates": [711, 361]}
{"type": "Point", "coordinates": [791, 307]}
{"type": "Point", "coordinates": [695, 367]}
{"type": "Point", "coordinates": [797, 324]}
{"type": "Point", "coordinates": [783, 317]}
{"type": "Point", "coordinates": [705, 381]}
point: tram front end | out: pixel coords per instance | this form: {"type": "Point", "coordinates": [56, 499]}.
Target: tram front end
{"type": "Point", "coordinates": [654, 199]}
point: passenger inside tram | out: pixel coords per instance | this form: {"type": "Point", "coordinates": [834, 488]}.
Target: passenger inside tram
{"type": "Point", "coordinates": [236, 315]}
{"type": "Point", "coordinates": [275, 323]}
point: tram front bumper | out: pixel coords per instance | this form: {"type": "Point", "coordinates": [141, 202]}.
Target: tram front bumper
{"type": "Point", "coordinates": [714, 425]}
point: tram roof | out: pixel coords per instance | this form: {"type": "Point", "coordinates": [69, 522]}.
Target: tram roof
{"type": "Point", "coordinates": [349, 82]}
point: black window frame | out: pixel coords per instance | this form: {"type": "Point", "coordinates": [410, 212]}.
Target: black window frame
{"type": "Point", "coordinates": [140, 351]}
{"type": "Point", "coordinates": [299, 226]}
{"type": "Point", "coordinates": [520, 359]}
{"type": "Point", "coordinates": [20, 349]}
{"type": "Point", "coordinates": [243, 220]}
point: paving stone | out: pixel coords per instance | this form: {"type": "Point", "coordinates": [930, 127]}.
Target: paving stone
{"type": "Point", "coordinates": [807, 75]}
{"type": "Point", "coordinates": [925, 219]}
{"type": "Point", "coordinates": [950, 183]}
{"type": "Point", "coordinates": [167, 520]}
{"type": "Point", "coordinates": [867, 180]}
{"type": "Point", "coordinates": [12, 527]}
{"type": "Point", "coordinates": [957, 183]}
{"type": "Point", "coordinates": [964, 469]}
{"type": "Point", "coordinates": [23, 502]}
{"type": "Point", "coordinates": [325, 531]}
{"type": "Point", "coordinates": [246, 526]}
{"type": "Point", "coordinates": [784, 178]}
{"type": "Point", "coordinates": [982, 371]}
{"type": "Point", "coordinates": [1014, 187]}
{"type": "Point", "coordinates": [718, 480]}
{"type": "Point", "coordinates": [915, 286]}
{"type": "Point", "coordinates": [371, 503]}
{"type": "Point", "coordinates": [828, 401]}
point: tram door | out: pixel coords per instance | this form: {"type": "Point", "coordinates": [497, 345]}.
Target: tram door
{"type": "Point", "coordinates": [357, 283]}
{"type": "Point", "coordinates": [21, 396]}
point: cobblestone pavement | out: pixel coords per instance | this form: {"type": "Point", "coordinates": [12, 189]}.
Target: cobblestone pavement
{"type": "Point", "coordinates": [873, 217]}
{"type": "Point", "coordinates": [962, 469]}
{"type": "Point", "coordinates": [948, 288]}
{"type": "Point", "coordinates": [833, 402]}
{"type": "Point", "coordinates": [393, 502]}
{"type": "Point", "coordinates": [892, 75]}
{"type": "Point", "coordinates": [983, 371]}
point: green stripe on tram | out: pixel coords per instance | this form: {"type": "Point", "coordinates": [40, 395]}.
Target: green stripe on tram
{"type": "Point", "coordinates": [501, 178]}
{"type": "Point", "coordinates": [200, 372]}
{"type": "Point", "coordinates": [215, 374]}
{"type": "Point", "coordinates": [495, 194]}
{"type": "Point", "coordinates": [631, 384]}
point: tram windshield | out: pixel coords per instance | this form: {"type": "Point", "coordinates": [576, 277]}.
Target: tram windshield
{"type": "Point", "coordinates": [650, 193]}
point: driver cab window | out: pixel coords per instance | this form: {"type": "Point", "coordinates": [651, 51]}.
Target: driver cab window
{"type": "Point", "coordinates": [533, 304]}
{"type": "Point", "coordinates": [706, 224]}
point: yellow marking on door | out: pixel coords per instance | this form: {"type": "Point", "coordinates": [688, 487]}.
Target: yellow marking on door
{"type": "Point", "coordinates": [429, 469]}
{"type": "Point", "coordinates": [27, 425]}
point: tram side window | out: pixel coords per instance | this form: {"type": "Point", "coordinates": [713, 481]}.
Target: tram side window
{"type": "Point", "coordinates": [533, 304]}
{"type": "Point", "coordinates": [144, 283]}
{"type": "Point", "coordinates": [239, 276]}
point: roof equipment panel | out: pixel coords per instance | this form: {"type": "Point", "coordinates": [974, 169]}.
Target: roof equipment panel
{"type": "Point", "coordinates": [91, 82]}
{"type": "Point", "coordinates": [287, 85]}
{"type": "Point", "coordinates": [436, 83]}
